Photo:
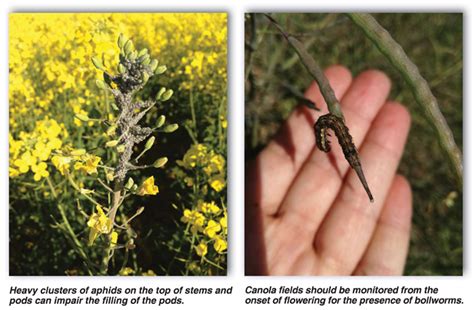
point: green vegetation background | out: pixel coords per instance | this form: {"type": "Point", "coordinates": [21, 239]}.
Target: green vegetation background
{"type": "Point", "coordinates": [434, 42]}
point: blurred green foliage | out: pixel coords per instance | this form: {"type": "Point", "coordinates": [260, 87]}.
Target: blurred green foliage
{"type": "Point", "coordinates": [434, 42]}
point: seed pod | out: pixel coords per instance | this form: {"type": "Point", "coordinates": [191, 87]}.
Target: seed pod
{"type": "Point", "coordinates": [82, 117]}
{"type": "Point", "coordinates": [160, 69]}
{"type": "Point", "coordinates": [121, 41]}
{"type": "Point", "coordinates": [167, 95]}
{"type": "Point", "coordinates": [153, 65]}
{"type": "Point", "coordinates": [160, 162]}
{"type": "Point", "coordinates": [170, 128]}
{"type": "Point", "coordinates": [98, 63]}
{"type": "Point", "coordinates": [149, 143]}
{"type": "Point", "coordinates": [161, 120]}
{"type": "Point", "coordinates": [129, 183]}
{"type": "Point", "coordinates": [112, 143]}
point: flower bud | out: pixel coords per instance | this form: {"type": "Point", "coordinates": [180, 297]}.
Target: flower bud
{"type": "Point", "coordinates": [146, 62]}
{"type": "Point", "coordinates": [82, 117]}
{"type": "Point", "coordinates": [170, 128]}
{"type": "Point", "coordinates": [145, 77]}
{"type": "Point", "coordinates": [160, 162]}
{"type": "Point", "coordinates": [160, 69]}
{"type": "Point", "coordinates": [122, 69]}
{"type": "Point", "coordinates": [110, 176]}
{"type": "Point", "coordinates": [128, 48]}
{"type": "Point", "coordinates": [121, 40]}
{"type": "Point", "coordinates": [161, 120]}
{"type": "Point", "coordinates": [167, 95]}
{"type": "Point", "coordinates": [114, 106]}
{"type": "Point", "coordinates": [142, 58]}
{"type": "Point", "coordinates": [132, 55]}
{"type": "Point", "coordinates": [153, 65]}
{"type": "Point", "coordinates": [111, 130]}
{"type": "Point", "coordinates": [121, 148]}
{"type": "Point", "coordinates": [101, 84]}
{"type": "Point", "coordinates": [112, 143]}
{"type": "Point", "coordinates": [160, 93]}
{"type": "Point", "coordinates": [150, 143]}
{"type": "Point", "coordinates": [142, 52]}
{"type": "Point", "coordinates": [98, 63]}
{"type": "Point", "coordinates": [129, 183]}
{"type": "Point", "coordinates": [78, 152]}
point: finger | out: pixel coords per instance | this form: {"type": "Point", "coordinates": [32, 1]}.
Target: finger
{"type": "Point", "coordinates": [349, 225]}
{"type": "Point", "coordinates": [319, 181]}
{"type": "Point", "coordinates": [269, 177]}
{"type": "Point", "coordinates": [387, 251]}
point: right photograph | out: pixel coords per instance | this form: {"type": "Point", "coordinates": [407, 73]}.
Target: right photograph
{"type": "Point", "coordinates": [353, 144]}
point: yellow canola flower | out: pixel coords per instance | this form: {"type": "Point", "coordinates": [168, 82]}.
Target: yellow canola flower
{"type": "Point", "coordinates": [195, 218]}
{"type": "Point", "coordinates": [88, 164]}
{"type": "Point", "coordinates": [126, 271]}
{"type": "Point", "coordinates": [99, 224]}
{"type": "Point", "coordinates": [40, 171]}
{"type": "Point", "coordinates": [212, 228]}
{"type": "Point", "coordinates": [61, 163]}
{"type": "Point", "coordinates": [148, 187]}
{"type": "Point", "coordinates": [113, 238]}
{"type": "Point", "coordinates": [208, 207]}
{"type": "Point", "coordinates": [42, 151]}
{"type": "Point", "coordinates": [217, 183]}
{"type": "Point", "coordinates": [195, 156]}
{"type": "Point", "coordinates": [13, 172]}
{"type": "Point", "coordinates": [54, 143]}
{"type": "Point", "coordinates": [25, 162]}
{"type": "Point", "coordinates": [216, 164]}
{"type": "Point", "coordinates": [201, 249]}
{"type": "Point", "coordinates": [220, 245]}
{"type": "Point", "coordinates": [149, 273]}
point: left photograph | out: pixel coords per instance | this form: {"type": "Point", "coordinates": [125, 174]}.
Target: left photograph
{"type": "Point", "coordinates": [118, 144]}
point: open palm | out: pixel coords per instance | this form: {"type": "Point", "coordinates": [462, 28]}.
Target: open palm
{"type": "Point", "coordinates": [306, 211]}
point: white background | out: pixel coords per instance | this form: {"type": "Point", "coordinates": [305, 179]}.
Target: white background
{"type": "Point", "coordinates": [448, 286]}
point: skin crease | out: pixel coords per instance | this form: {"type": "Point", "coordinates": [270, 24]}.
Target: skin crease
{"type": "Point", "coordinates": [306, 212]}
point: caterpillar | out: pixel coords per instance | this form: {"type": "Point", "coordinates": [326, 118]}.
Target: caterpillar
{"type": "Point", "coordinates": [336, 124]}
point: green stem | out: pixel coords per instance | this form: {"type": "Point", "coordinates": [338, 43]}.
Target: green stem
{"type": "Point", "coordinates": [116, 199]}
{"type": "Point", "coordinates": [77, 244]}
{"type": "Point", "coordinates": [418, 85]}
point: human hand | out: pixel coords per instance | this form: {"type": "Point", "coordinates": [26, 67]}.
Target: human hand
{"type": "Point", "coordinates": [307, 212]}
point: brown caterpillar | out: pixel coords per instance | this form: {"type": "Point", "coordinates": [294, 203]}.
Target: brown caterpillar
{"type": "Point", "coordinates": [331, 121]}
